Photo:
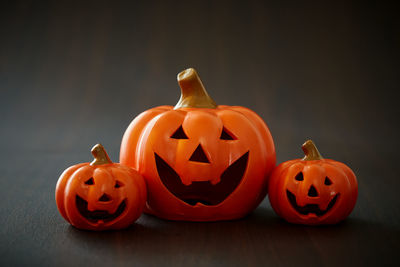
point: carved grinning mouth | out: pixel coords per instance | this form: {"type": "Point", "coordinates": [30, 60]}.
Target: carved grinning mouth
{"type": "Point", "coordinates": [96, 215]}
{"type": "Point", "coordinates": [310, 208]}
{"type": "Point", "coordinates": [202, 192]}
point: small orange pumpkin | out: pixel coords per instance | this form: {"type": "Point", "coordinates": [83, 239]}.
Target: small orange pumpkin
{"type": "Point", "coordinates": [100, 195]}
{"type": "Point", "coordinates": [313, 190]}
{"type": "Point", "coordinates": [201, 162]}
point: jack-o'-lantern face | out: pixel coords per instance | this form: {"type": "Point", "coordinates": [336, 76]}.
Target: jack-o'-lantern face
{"type": "Point", "coordinates": [100, 198]}
{"type": "Point", "coordinates": [311, 193]}
{"type": "Point", "coordinates": [201, 162]}
{"type": "Point", "coordinates": [313, 190]}
{"type": "Point", "coordinates": [203, 175]}
{"type": "Point", "coordinates": [101, 195]}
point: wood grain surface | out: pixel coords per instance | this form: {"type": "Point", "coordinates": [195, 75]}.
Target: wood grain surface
{"type": "Point", "coordinates": [73, 74]}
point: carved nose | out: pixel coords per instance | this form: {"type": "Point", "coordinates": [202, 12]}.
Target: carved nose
{"type": "Point", "coordinates": [104, 198]}
{"type": "Point", "coordinates": [199, 155]}
{"type": "Point", "coordinates": [312, 192]}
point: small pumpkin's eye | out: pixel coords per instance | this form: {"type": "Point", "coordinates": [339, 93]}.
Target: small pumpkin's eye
{"type": "Point", "coordinates": [226, 135]}
{"type": "Point", "coordinates": [179, 134]}
{"type": "Point", "coordinates": [327, 181]}
{"type": "Point", "coordinates": [118, 184]}
{"type": "Point", "coordinates": [90, 181]}
{"type": "Point", "coordinates": [299, 177]}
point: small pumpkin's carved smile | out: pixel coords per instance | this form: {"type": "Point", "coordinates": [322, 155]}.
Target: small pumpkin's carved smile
{"type": "Point", "coordinates": [203, 192]}
{"type": "Point", "coordinates": [310, 208]}
{"type": "Point", "coordinates": [97, 215]}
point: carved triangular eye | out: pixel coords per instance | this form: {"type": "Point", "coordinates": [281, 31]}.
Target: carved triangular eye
{"type": "Point", "coordinates": [118, 184]}
{"type": "Point", "coordinates": [226, 135]}
{"type": "Point", "coordinates": [299, 177]}
{"type": "Point", "coordinates": [90, 181]}
{"type": "Point", "coordinates": [179, 134]}
{"type": "Point", "coordinates": [327, 181]}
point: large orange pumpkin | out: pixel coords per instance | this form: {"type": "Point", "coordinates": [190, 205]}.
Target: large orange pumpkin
{"type": "Point", "coordinates": [100, 195]}
{"type": "Point", "coordinates": [201, 162]}
{"type": "Point", "coordinates": [313, 190]}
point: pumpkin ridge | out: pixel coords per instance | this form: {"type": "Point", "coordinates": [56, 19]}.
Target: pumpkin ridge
{"type": "Point", "coordinates": [132, 135]}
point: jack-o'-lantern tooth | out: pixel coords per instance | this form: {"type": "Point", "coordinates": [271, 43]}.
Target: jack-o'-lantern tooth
{"type": "Point", "coordinates": [186, 182]}
{"type": "Point", "coordinates": [215, 181]}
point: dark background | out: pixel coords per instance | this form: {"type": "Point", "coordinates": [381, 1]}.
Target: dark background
{"type": "Point", "coordinates": [76, 73]}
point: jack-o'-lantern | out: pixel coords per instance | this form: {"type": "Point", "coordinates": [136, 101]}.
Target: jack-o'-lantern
{"type": "Point", "coordinates": [313, 190]}
{"type": "Point", "coordinates": [100, 195]}
{"type": "Point", "coordinates": [201, 162]}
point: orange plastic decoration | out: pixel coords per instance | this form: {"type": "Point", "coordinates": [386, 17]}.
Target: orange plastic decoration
{"type": "Point", "coordinates": [100, 195]}
{"type": "Point", "coordinates": [313, 190]}
{"type": "Point", "coordinates": [201, 162]}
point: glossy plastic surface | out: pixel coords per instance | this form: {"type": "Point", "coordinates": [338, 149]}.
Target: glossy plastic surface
{"type": "Point", "coordinates": [100, 195]}
{"type": "Point", "coordinates": [202, 148]}
{"type": "Point", "coordinates": [313, 190]}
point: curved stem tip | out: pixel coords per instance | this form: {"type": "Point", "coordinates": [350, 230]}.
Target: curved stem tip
{"type": "Point", "coordinates": [100, 155]}
{"type": "Point", "coordinates": [193, 93]}
{"type": "Point", "coordinates": [310, 151]}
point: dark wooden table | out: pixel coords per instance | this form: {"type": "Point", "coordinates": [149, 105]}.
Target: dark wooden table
{"type": "Point", "coordinates": [74, 74]}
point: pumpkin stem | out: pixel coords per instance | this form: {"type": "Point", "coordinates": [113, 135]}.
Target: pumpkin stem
{"type": "Point", "coordinates": [100, 155]}
{"type": "Point", "coordinates": [193, 93]}
{"type": "Point", "coordinates": [311, 151]}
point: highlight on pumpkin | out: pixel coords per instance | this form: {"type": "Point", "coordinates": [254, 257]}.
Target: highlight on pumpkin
{"type": "Point", "coordinates": [193, 93]}
{"type": "Point", "coordinates": [310, 151]}
{"type": "Point", "coordinates": [100, 155]}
